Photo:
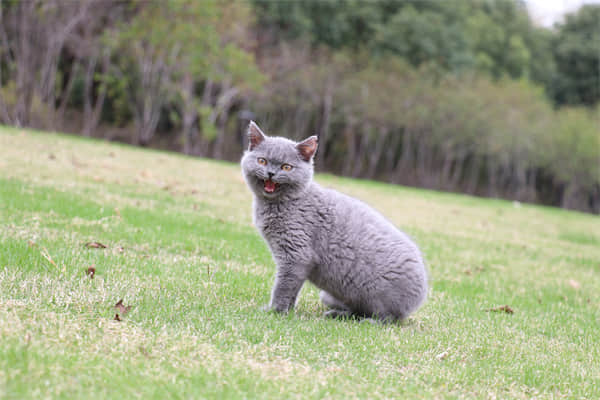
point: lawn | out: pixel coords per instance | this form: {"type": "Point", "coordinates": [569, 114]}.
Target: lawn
{"type": "Point", "coordinates": [182, 254]}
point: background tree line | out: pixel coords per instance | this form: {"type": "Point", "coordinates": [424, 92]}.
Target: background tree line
{"type": "Point", "coordinates": [463, 95]}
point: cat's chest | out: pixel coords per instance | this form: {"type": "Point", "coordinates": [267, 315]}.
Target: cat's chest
{"type": "Point", "coordinates": [277, 220]}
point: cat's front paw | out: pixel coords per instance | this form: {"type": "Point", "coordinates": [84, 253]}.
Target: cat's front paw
{"type": "Point", "coordinates": [265, 308]}
{"type": "Point", "coordinates": [280, 309]}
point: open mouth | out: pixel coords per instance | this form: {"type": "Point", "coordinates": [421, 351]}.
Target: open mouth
{"type": "Point", "coordinates": [270, 186]}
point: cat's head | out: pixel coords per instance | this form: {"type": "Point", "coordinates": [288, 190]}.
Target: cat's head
{"type": "Point", "coordinates": [276, 167]}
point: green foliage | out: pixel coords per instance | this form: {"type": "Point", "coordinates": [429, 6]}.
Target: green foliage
{"type": "Point", "coordinates": [209, 130]}
{"type": "Point", "coordinates": [495, 37]}
{"type": "Point", "coordinates": [573, 152]}
{"type": "Point", "coordinates": [117, 109]}
{"type": "Point", "coordinates": [169, 42]}
{"type": "Point", "coordinates": [426, 36]}
{"type": "Point", "coordinates": [577, 55]}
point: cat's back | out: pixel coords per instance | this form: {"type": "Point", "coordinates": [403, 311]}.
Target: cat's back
{"type": "Point", "coordinates": [353, 223]}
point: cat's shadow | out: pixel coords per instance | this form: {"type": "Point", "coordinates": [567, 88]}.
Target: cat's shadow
{"type": "Point", "coordinates": [357, 319]}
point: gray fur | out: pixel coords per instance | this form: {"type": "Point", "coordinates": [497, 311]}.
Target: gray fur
{"type": "Point", "coordinates": [362, 263]}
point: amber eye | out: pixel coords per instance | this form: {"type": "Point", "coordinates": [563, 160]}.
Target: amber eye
{"type": "Point", "coordinates": [286, 167]}
{"type": "Point", "coordinates": [262, 161]}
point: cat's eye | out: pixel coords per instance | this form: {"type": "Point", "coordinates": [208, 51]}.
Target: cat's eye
{"type": "Point", "coordinates": [262, 161]}
{"type": "Point", "coordinates": [286, 167]}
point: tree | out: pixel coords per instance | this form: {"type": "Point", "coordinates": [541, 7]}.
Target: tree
{"type": "Point", "coordinates": [33, 35]}
{"type": "Point", "coordinates": [425, 36]}
{"type": "Point", "coordinates": [577, 56]}
{"type": "Point", "coordinates": [171, 46]}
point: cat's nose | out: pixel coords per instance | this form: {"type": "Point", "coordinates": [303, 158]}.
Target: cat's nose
{"type": "Point", "coordinates": [270, 174]}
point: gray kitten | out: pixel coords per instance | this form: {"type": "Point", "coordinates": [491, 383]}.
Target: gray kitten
{"type": "Point", "coordinates": [363, 264]}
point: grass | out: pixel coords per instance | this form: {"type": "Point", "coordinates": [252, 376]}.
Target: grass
{"type": "Point", "coordinates": [181, 250]}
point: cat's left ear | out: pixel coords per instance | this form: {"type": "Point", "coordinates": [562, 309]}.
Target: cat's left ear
{"type": "Point", "coordinates": [308, 147]}
{"type": "Point", "coordinates": [255, 135]}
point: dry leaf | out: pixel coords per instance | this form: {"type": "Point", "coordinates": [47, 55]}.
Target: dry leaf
{"type": "Point", "coordinates": [122, 308]}
{"type": "Point", "coordinates": [504, 308]}
{"type": "Point", "coordinates": [442, 356]}
{"type": "Point", "coordinates": [91, 271]}
{"type": "Point", "coordinates": [117, 318]}
{"type": "Point", "coordinates": [95, 245]}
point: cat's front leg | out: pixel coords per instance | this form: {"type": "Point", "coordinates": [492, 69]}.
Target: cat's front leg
{"type": "Point", "coordinates": [288, 282]}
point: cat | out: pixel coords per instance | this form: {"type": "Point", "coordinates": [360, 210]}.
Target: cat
{"type": "Point", "coordinates": [364, 266]}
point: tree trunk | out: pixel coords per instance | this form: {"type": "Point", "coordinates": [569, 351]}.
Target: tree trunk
{"type": "Point", "coordinates": [93, 110]}
{"type": "Point", "coordinates": [377, 153]}
{"type": "Point", "coordinates": [324, 128]}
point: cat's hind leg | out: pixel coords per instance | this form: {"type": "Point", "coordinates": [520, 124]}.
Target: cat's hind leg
{"type": "Point", "coordinates": [337, 308]}
{"type": "Point", "coordinates": [331, 302]}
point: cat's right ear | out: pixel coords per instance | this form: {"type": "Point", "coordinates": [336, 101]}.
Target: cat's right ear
{"type": "Point", "coordinates": [255, 136]}
{"type": "Point", "coordinates": [308, 148]}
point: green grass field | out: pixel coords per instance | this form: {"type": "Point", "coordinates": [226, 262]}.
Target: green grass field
{"type": "Point", "coordinates": [182, 252]}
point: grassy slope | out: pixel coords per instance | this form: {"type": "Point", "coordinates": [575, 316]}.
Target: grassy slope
{"type": "Point", "coordinates": [182, 251]}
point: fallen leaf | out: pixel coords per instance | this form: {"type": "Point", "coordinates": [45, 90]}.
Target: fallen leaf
{"type": "Point", "coordinates": [117, 318]}
{"type": "Point", "coordinates": [504, 308]}
{"type": "Point", "coordinates": [91, 271]}
{"type": "Point", "coordinates": [31, 243]}
{"type": "Point", "coordinates": [442, 356]}
{"type": "Point", "coordinates": [117, 212]}
{"type": "Point", "coordinates": [51, 156]}
{"type": "Point", "coordinates": [122, 308]}
{"type": "Point", "coordinates": [95, 245]}
{"type": "Point", "coordinates": [574, 284]}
